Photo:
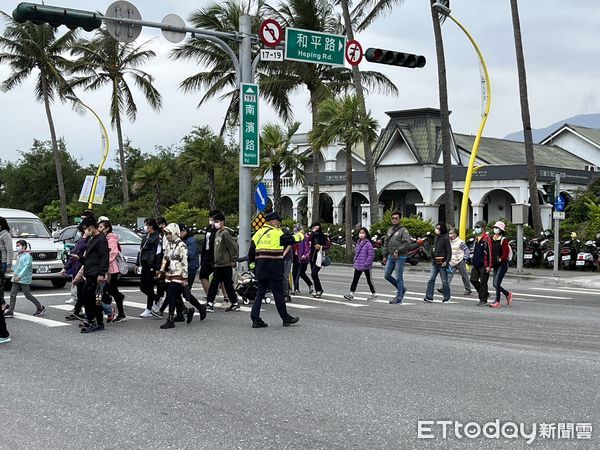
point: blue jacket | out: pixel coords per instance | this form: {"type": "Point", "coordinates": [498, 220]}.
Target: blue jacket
{"type": "Point", "coordinates": [23, 268]}
{"type": "Point", "coordinates": [193, 261]}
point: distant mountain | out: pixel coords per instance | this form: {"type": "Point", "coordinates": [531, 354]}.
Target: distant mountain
{"type": "Point", "coordinates": [584, 120]}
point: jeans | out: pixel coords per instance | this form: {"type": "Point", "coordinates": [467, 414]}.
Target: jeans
{"type": "Point", "coordinates": [479, 280]}
{"type": "Point", "coordinates": [16, 287]}
{"type": "Point", "coordinates": [462, 268]}
{"type": "Point", "coordinates": [443, 272]}
{"type": "Point", "coordinates": [276, 287]}
{"type": "Point", "coordinates": [396, 265]}
{"type": "Point", "coordinates": [499, 273]}
{"type": "Point", "coordinates": [287, 268]}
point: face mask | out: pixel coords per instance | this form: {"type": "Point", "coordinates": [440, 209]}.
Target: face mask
{"type": "Point", "coordinates": [496, 230]}
{"type": "Point", "coordinates": [19, 249]}
{"type": "Point", "coordinates": [211, 222]}
{"type": "Point", "coordinates": [217, 225]}
{"type": "Point", "coordinates": [477, 230]}
{"type": "Point", "coordinates": [145, 228]}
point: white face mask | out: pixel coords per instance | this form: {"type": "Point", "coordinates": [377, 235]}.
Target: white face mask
{"type": "Point", "coordinates": [496, 230]}
{"type": "Point", "coordinates": [477, 230]}
{"type": "Point", "coordinates": [211, 222]}
{"type": "Point", "coordinates": [217, 225]}
{"type": "Point", "coordinates": [19, 249]}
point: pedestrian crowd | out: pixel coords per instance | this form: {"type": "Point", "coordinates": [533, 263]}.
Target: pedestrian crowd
{"type": "Point", "coordinates": [170, 258]}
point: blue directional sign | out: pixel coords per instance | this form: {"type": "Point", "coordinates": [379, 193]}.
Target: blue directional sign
{"type": "Point", "coordinates": [260, 196]}
{"type": "Point", "coordinates": [559, 203]}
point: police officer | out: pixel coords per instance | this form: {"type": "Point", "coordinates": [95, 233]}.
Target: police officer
{"type": "Point", "coordinates": [266, 251]}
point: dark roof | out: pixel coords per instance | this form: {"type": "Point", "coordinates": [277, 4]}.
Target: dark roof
{"type": "Point", "coordinates": [593, 134]}
{"type": "Point", "coordinates": [501, 152]}
{"type": "Point", "coordinates": [421, 129]}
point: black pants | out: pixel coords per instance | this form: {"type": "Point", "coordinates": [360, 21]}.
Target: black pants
{"type": "Point", "coordinates": [112, 289]}
{"type": "Point", "coordinates": [276, 287]}
{"type": "Point", "coordinates": [187, 291]}
{"type": "Point", "coordinates": [173, 299]}
{"type": "Point", "coordinates": [479, 280]}
{"type": "Point", "coordinates": [222, 275]}
{"type": "Point", "coordinates": [3, 331]}
{"type": "Point", "coordinates": [301, 274]}
{"type": "Point", "coordinates": [314, 273]}
{"type": "Point", "coordinates": [79, 302]}
{"type": "Point", "coordinates": [357, 274]}
{"type": "Point", "coordinates": [147, 286]}
{"type": "Point", "coordinates": [93, 312]}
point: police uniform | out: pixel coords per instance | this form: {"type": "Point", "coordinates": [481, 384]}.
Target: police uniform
{"type": "Point", "coordinates": [266, 251]}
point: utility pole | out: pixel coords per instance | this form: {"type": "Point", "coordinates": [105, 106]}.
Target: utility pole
{"type": "Point", "coordinates": [557, 255]}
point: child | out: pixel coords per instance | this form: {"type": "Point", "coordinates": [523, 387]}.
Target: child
{"type": "Point", "coordinates": [22, 279]}
{"type": "Point", "coordinates": [363, 261]}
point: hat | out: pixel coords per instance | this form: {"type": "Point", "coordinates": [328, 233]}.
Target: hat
{"type": "Point", "coordinates": [273, 216]}
{"type": "Point", "coordinates": [172, 228]}
{"type": "Point", "coordinates": [500, 225]}
{"type": "Point", "coordinates": [102, 219]}
{"type": "Point", "coordinates": [481, 223]}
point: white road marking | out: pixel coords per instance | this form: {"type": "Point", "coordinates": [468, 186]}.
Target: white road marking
{"type": "Point", "coordinates": [40, 320]}
{"type": "Point", "coordinates": [324, 300]}
{"type": "Point", "coordinates": [299, 306]}
{"type": "Point", "coordinates": [62, 307]}
{"type": "Point", "coordinates": [569, 291]}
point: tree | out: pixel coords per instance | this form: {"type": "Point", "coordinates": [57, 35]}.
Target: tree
{"type": "Point", "coordinates": [105, 61]}
{"type": "Point", "coordinates": [278, 158]}
{"type": "Point", "coordinates": [337, 120]}
{"type": "Point", "coordinates": [205, 152]}
{"type": "Point", "coordinates": [526, 119]}
{"type": "Point", "coordinates": [153, 175]}
{"type": "Point", "coordinates": [437, 20]}
{"type": "Point", "coordinates": [27, 48]}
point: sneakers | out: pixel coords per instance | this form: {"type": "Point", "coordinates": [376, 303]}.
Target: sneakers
{"type": "Point", "coordinates": [395, 301]}
{"type": "Point", "coordinates": [482, 304]}
{"type": "Point", "coordinates": [317, 294]}
{"type": "Point", "coordinates": [509, 299]}
{"type": "Point", "coordinates": [120, 318]}
{"type": "Point", "coordinates": [40, 312]}
{"type": "Point", "coordinates": [6, 340]}
{"type": "Point", "coordinates": [168, 324]}
{"type": "Point", "coordinates": [189, 315]}
{"type": "Point", "coordinates": [210, 307]}
{"type": "Point", "coordinates": [428, 300]}
{"type": "Point", "coordinates": [440, 290]}
{"type": "Point", "coordinates": [92, 327]}
{"type": "Point", "coordinates": [349, 296]}
{"type": "Point", "coordinates": [495, 305]}
{"type": "Point", "coordinates": [202, 312]}
{"type": "Point", "coordinates": [179, 318]}
{"type": "Point", "coordinates": [111, 317]}
{"type": "Point", "coordinates": [146, 314]}
{"type": "Point", "coordinates": [8, 314]}
{"type": "Point", "coordinates": [233, 307]}
{"type": "Point", "coordinates": [290, 321]}
{"type": "Point", "coordinates": [467, 292]}
{"type": "Point", "coordinates": [373, 296]}
{"type": "Point", "coordinates": [158, 304]}
{"type": "Point", "coordinates": [259, 324]}
{"type": "Point", "coordinates": [70, 301]}
{"type": "Point", "coordinates": [311, 290]}
{"type": "Point", "coordinates": [74, 316]}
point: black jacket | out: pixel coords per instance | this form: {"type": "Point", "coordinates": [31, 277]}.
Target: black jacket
{"type": "Point", "coordinates": [95, 258]}
{"type": "Point", "coordinates": [442, 247]}
{"type": "Point", "coordinates": [316, 238]}
{"type": "Point", "coordinates": [207, 256]}
{"type": "Point", "coordinates": [147, 256]}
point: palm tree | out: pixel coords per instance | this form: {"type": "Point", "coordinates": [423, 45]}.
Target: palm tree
{"type": "Point", "coordinates": [152, 175]}
{"type": "Point", "coordinates": [277, 157]}
{"type": "Point", "coordinates": [203, 151]}
{"type": "Point", "coordinates": [28, 48]}
{"type": "Point", "coordinates": [105, 61]}
{"type": "Point", "coordinates": [437, 20]}
{"type": "Point", "coordinates": [526, 119]}
{"type": "Point", "coordinates": [338, 121]}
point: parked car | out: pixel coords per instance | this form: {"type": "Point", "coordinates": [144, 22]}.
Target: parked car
{"type": "Point", "coordinates": [47, 263]}
{"type": "Point", "coordinates": [130, 244]}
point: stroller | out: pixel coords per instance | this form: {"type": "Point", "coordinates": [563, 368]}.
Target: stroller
{"type": "Point", "coordinates": [247, 286]}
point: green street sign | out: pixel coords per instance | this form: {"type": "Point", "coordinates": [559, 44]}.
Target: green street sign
{"type": "Point", "coordinates": [249, 143]}
{"type": "Point", "coordinates": [314, 47]}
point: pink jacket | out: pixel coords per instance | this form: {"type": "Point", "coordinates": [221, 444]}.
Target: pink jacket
{"type": "Point", "coordinates": [113, 248]}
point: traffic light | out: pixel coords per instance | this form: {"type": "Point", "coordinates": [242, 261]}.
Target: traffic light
{"type": "Point", "coordinates": [550, 195]}
{"type": "Point", "coordinates": [381, 56]}
{"type": "Point", "coordinates": [56, 16]}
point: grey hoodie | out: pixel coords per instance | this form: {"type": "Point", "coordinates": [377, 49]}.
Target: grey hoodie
{"type": "Point", "coordinates": [6, 247]}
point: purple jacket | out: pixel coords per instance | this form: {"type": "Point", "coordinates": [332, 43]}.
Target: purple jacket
{"type": "Point", "coordinates": [303, 250]}
{"type": "Point", "coordinates": [364, 254]}
{"type": "Point", "coordinates": [74, 264]}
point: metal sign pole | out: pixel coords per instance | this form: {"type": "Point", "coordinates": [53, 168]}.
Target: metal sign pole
{"type": "Point", "coordinates": [520, 248]}
{"type": "Point", "coordinates": [557, 255]}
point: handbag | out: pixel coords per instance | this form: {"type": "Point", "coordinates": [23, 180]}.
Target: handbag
{"type": "Point", "coordinates": [122, 264]}
{"type": "Point", "coordinates": [326, 260]}
{"type": "Point", "coordinates": [439, 260]}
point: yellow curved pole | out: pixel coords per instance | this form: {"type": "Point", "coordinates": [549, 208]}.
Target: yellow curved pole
{"type": "Point", "coordinates": [104, 156]}
{"type": "Point", "coordinates": [464, 209]}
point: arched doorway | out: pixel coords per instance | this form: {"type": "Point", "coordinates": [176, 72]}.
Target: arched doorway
{"type": "Point", "coordinates": [457, 200]}
{"type": "Point", "coordinates": [325, 208]}
{"type": "Point", "coordinates": [401, 196]}
{"type": "Point", "coordinates": [358, 199]}
{"type": "Point", "coordinates": [287, 208]}
{"type": "Point", "coordinates": [302, 210]}
{"type": "Point", "coordinates": [497, 205]}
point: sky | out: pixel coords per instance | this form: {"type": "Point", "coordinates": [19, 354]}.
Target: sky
{"type": "Point", "coordinates": [560, 43]}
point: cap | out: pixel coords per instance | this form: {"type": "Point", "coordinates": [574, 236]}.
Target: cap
{"type": "Point", "coordinates": [273, 216]}
{"type": "Point", "coordinates": [481, 223]}
{"type": "Point", "coordinates": [102, 218]}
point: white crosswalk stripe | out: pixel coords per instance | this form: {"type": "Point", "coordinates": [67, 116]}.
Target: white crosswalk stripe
{"type": "Point", "coordinates": [324, 300]}
{"type": "Point", "coordinates": [40, 320]}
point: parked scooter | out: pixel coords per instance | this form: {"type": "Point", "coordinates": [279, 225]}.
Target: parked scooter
{"type": "Point", "coordinates": [569, 251]}
{"type": "Point", "coordinates": [532, 256]}
{"type": "Point", "coordinates": [587, 258]}
{"type": "Point", "coordinates": [416, 252]}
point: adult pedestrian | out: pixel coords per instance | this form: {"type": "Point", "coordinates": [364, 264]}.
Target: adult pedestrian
{"type": "Point", "coordinates": [395, 248]}
{"type": "Point", "coordinates": [161, 287]}
{"type": "Point", "coordinates": [112, 285]}
{"type": "Point", "coordinates": [288, 259]}
{"type": "Point", "coordinates": [364, 254]}
{"type": "Point", "coordinates": [460, 255]}
{"type": "Point", "coordinates": [207, 255]}
{"type": "Point", "coordinates": [6, 250]}
{"type": "Point", "coordinates": [148, 260]}
{"type": "Point", "coordinates": [74, 269]}
{"type": "Point", "coordinates": [481, 262]}
{"type": "Point", "coordinates": [302, 251]}
{"type": "Point", "coordinates": [225, 257]}
{"type": "Point", "coordinates": [187, 236]}
{"type": "Point", "coordinates": [95, 271]}
{"type": "Point", "coordinates": [318, 242]}
{"type": "Point", "coordinates": [500, 258]}
{"type": "Point", "coordinates": [266, 251]}
{"type": "Point", "coordinates": [174, 270]}
{"type": "Point", "coordinates": [21, 280]}
{"type": "Point", "coordinates": [442, 254]}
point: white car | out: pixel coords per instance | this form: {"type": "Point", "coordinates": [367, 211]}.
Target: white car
{"type": "Point", "coordinates": [46, 253]}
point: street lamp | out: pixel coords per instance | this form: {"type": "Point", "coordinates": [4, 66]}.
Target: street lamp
{"type": "Point", "coordinates": [106, 147]}
{"type": "Point", "coordinates": [486, 94]}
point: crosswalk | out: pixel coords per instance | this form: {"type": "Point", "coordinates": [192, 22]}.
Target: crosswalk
{"type": "Point", "coordinates": [306, 302]}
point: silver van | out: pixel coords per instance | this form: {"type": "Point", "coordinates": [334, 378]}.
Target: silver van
{"type": "Point", "coordinates": [46, 253]}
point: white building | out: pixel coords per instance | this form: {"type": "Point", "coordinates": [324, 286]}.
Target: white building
{"type": "Point", "coordinates": [580, 141]}
{"type": "Point", "coordinates": [409, 174]}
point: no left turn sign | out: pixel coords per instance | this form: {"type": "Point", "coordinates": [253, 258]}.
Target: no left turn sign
{"type": "Point", "coordinates": [354, 52]}
{"type": "Point", "coordinates": [270, 33]}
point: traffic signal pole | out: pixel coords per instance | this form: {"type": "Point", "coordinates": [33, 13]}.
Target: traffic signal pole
{"type": "Point", "coordinates": [557, 255]}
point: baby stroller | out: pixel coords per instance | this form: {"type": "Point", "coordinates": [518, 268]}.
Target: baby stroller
{"type": "Point", "coordinates": [247, 286]}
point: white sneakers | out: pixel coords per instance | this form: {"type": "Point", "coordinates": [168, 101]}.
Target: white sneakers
{"type": "Point", "coordinates": [349, 296]}
{"type": "Point", "coordinates": [373, 296]}
{"type": "Point", "coordinates": [147, 313]}
{"type": "Point", "coordinates": [156, 306]}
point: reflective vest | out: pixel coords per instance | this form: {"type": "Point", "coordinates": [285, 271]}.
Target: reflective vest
{"type": "Point", "coordinates": [268, 243]}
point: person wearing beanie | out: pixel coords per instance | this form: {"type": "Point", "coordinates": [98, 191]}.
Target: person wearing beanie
{"type": "Point", "coordinates": [481, 262]}
{"type": "Point", "coordinates": [500, 256]}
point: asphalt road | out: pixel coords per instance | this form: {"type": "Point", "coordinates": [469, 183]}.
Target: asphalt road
{"type": "Point", "coordinates": [349, 375]}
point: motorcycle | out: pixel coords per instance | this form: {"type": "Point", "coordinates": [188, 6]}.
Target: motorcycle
{"type": "Point", "coordinates": [568, 254]}
{"type": "Point", "coordinates": [416, 252]}
{"type": "Point", "coordinates": [532, 256]}
{"type": "Point", "coordinates": [587, 258]}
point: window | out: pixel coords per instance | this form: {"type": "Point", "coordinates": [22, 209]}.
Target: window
{"type": "Point", "coordinates": [28, 228]}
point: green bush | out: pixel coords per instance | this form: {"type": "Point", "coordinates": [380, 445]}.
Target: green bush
{"type": "Point", "coordinates": [184, 213]}
{"type": "Point", "coordinates": [337, 253]}
{"type": "Point", "coordinates": [416, 226]}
